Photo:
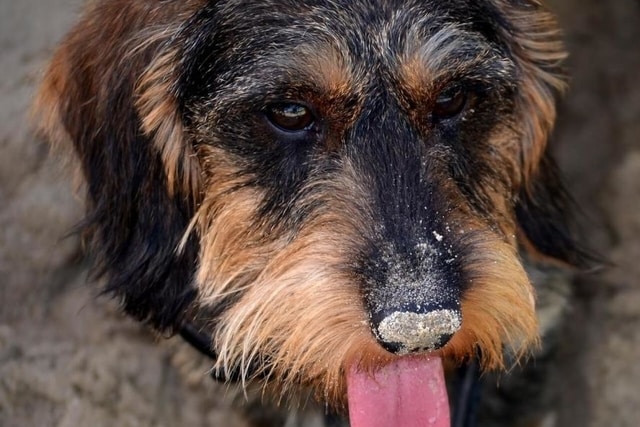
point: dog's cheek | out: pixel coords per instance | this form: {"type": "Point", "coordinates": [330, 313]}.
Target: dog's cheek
{"type": "Point", "coordinates": [297, 317]}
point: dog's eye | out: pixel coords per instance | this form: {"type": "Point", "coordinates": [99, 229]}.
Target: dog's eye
{"type": "Point", "coordinates": [450, 102]}
{"type": "Point", "coordinates": [290, 117]}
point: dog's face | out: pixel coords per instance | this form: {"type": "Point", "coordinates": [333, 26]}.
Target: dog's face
{"type": "Point", "coordinates": [325, 186]}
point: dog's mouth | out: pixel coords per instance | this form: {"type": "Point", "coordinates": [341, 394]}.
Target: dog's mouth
{"type": "Point", "coordinates": [408, 392]}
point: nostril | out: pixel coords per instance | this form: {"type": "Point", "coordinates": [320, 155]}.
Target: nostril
{"type": "Point", "coordinates": [391, 347]}
{"type": "Point", "coordinates": [443, 340]}
{"type": "Point", "coordinates": [405, 332]}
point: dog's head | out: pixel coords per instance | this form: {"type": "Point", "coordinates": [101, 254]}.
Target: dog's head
{"type": "Point", "coordinates": [325, 186]}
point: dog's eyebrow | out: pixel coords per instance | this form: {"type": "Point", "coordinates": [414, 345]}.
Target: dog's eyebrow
{"type": "Point", "coordinates": [320, 67]}
{"type": "Point", "coordinates": [328, 66]}
{"type": "Point", "coordinates": [451, 51]}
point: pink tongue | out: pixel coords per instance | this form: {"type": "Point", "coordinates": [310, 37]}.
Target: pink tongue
{"type": "Point", "coordinates": [409, 392]}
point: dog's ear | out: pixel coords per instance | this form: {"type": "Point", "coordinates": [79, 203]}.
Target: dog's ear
{"type": "Point", "coordinates": [536, 45]}
{"type": "Point", "coordinates": [544, 210]}
{"type": "Point", "coordinates": [111, 91]}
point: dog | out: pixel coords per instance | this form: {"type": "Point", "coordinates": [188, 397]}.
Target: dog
{"type": "Point", "coordinates": [334, 194]}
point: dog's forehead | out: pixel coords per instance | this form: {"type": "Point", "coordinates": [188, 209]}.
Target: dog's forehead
{"type": "Point", "coordinates": [365, 26]}
{"type": "Point", "coordinates": [342, 43]}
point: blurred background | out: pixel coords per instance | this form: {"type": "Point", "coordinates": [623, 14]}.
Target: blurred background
{"type": "Point", "coordinates": [68, 359]}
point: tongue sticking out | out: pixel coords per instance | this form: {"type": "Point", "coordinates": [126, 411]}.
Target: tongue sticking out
{"type": "Point", "coordinates": [409, 392]}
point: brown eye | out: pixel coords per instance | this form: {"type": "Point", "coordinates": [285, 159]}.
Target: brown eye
{"type": "Point", "coordinates": [450, 102]}
{"type": "Point", "coordinates": [290, 117]}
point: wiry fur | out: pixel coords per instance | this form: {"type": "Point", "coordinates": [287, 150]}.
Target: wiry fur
{"type": "Point", "coordinates": [196, 212]}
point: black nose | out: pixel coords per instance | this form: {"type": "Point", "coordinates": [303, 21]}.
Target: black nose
{"type": "Point", "coordinates": [413, 330]}
{"type": "Point", "coordinates": [398, 348]}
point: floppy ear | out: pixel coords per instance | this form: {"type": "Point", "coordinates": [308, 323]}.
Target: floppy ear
{"type": "Point", "coordinates": [110, 91]}
{"type": "Point", "coordinates": [536, 44]}
{"type": "Point", "coordinates": [544, 211]}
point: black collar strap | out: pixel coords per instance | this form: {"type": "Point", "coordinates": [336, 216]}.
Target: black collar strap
{"type": "Point", "coordinates": [202, 342]}
{"type": "Point", "coordinates": [198, 340]}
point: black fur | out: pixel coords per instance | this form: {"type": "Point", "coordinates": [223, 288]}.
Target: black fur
{"type": "Point", "coordinates": [546, 213]}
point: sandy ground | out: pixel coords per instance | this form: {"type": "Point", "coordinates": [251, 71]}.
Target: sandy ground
{"type": "Point", "coordinates": [68, 359]}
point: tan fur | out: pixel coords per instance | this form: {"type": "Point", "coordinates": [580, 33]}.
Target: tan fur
{"type": "Point", "coordinates": [425, 67]}
{"type": "Point", "coordinates": [160, 119]}
{"type": "Point", "coordinates": [224, 224]}
{"type": "Point", "coordinates": [46, 108]}
{"type": "Point", "coordinates": [498, 309]}
{"type": "Point", "coordinates": [291, 287]}
{"type": "Point", "coordinates": [330, 69]}
{"type": "Point", "coordinates": [538, 45]}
